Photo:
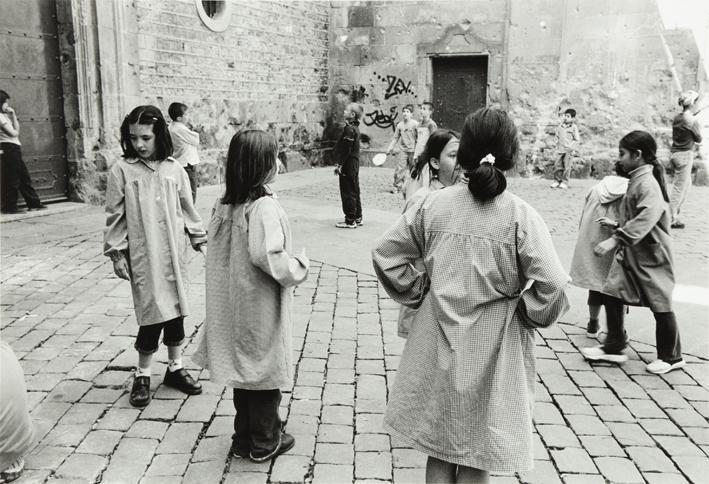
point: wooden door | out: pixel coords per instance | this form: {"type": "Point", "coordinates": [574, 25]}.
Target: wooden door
{"type": "Point", "coordinates": [459, 88]}
{"type": "Point", "coordinates": [30, 74]}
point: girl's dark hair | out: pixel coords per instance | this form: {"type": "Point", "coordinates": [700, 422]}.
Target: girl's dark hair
{"type": "Point", "coordinates": [488, 131]}
{"type": "Point", "coordinates": [250, 164]}
{"type": "Point", "coordinates": [4, 96]}
{"type": "Point", "coordinates": [643, 142]}
{"type": "Point", "coordinates": [147, 115]}
{"type": "Point", "coordinates": [434, 146]}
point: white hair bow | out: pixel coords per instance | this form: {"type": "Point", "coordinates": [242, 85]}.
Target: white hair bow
{"type": "Point", "coordinates": [489, 158]}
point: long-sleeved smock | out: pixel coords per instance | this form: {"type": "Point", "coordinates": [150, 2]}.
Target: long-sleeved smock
{"type": "Point", "coordinates": [464, 389]}
{"type": "Point", "coordinates": [604, 199]}
{"type": "Point", "coordinates": [148, 212]}
{"type": "Point", "coordinates": [246, 337]}
{"type": "Point", "coordinates": [646, 251]}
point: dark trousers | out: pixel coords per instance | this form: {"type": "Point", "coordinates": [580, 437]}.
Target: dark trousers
{"type": "Point", "coordinates": [667, 341]}
{"type": "Point", "coordinates": [257, 425]}
{"type": "Point", "coordinates": [148, 338]}
{"type": "Point", "coordinates": [192, 176]}
{"type": "Point", "coordinates": [15, 177]}
{"type": "Point", "coordinates": [349, 194]}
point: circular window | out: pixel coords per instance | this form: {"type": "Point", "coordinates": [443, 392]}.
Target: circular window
{"type": "Point", "coordinates": [216, 14]}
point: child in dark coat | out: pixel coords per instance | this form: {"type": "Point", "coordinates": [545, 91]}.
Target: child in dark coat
{"type": "Point", "coordinates": [347, 156]}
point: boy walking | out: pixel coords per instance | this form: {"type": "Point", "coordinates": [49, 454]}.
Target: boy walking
{"type": "Point", "coordinates": [403, 145]}
{"type": "Point", "coordinates": [185, 143]}
{"type": "Point", "coordinates": [347, 156]}
{"type": "Point", "coordinates": [567, 137]}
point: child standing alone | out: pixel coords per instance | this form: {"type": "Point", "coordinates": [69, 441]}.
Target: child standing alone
{"type": "Point", "coordinates": [149, 210]}
{"type": "Point", "coordinates": [347, 155]}
{"type": "Point", "coordinates": [403, 145]}
{"type": "Point", "coordinates": [246, 339]}
{"type": "Point", "coordinates": [641, 273]}
{"type": "Point", "coordinates": [567, 137]}
{"type": "Point", "coordinates": [185, 143]}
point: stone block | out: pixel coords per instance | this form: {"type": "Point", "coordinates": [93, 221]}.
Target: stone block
{"type": "Point", "coordinates": [100, 442]}
{"type": "Point", "coordinates": [161, 409]}
{"type": "Point", "coordinates": [198, 408]}
{"type": "Point", "coordinates": [168, 465]}
{"type": "Point", "coordinates": [334, 454]}
{"type": "Point", "coordinates": [369, 423]}
{"type": "Point", "coordinates": [617, 469]}
{"type": "Point", "coordinates": [650, 459]}
{"type": "Point", "coordinates": [558, 436]}
{"type": "Point", "coordinates": [601, 446]}
{"type": "Point", "coordinates": [289, 468]}
{"type": "Point", "coordinates": [329, 433]}
{"type": "Point", "coordinates": [212, 449]}
{"type": "Point", "coordinates": [337, 414]}
{"type": "Point", "coordinates": [630, 434]}
{"type": "Point", "coordinates": [119, 419]}
{"type": "Point", "coordinates": [82, 466]}
{"type": "Point", "coordinates": [332, 474]}
{"type": "Point", "coordinates": [203, 472]}
{"type": "Point", "coordinates": [587, 425]}
{"type": "Point", "coordinates": [180, 438]}
{"type": "Point", "coordinates": [408, 458]}
{"type": "Point", "coordinates": [574, 405]}
{"type": "Point", "coordinates": [373, 465]}
{"type": "Point", "coordinates": [372, 442]}
{"type": "Point", "coordinates": [573, 460]}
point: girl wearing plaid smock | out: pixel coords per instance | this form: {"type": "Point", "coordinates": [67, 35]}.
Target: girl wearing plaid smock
{"type": "Point", "coordinates": [464, 390]}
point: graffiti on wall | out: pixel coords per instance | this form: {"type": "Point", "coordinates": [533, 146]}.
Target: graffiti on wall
{"type": "Point", "coordinates": [395, 85]}
{"type": "Point", "coordinates": [381, 119]}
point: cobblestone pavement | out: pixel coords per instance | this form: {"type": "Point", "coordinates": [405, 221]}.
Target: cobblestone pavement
{"type": "Point", "coordinates": [71, 323]}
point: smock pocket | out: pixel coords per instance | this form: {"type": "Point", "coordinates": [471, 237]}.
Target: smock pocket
{"type": "Point", "coordinates": [652, 254]}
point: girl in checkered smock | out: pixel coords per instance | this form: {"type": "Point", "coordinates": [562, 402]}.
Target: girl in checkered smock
{"type": "Point", "coordinates": [464, 389]}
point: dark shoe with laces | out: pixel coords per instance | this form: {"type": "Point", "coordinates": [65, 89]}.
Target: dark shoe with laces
{"type": "Point", "coordinates": [182, 381]}
{"type": "Point", "coordinates": [286, 443]}
{"type": "Point", "coordinates": [140, 393]}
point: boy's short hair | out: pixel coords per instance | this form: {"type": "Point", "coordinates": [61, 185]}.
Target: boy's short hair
{"type": "Point", "coordinates": [176, 110]}
{"type": "Point", "coordinates": [356, 108]}
{"type": "Point", "coordinates": [571, 111]}
{"type": "Point", "coordinates": [410, 107]}
{"type": "Point", "coordinates": [429, 104]}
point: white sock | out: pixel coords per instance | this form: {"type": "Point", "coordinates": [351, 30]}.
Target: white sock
{"type": "Point", "coordinates": [142, 372]}
{"type": "Point", "coordinates": [174, 365]}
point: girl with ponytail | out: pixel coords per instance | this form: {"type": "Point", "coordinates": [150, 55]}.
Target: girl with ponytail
{"type": "Point", "coordinates": [641, 273]}
{"type": "Point", "coordinates": [464, 389]}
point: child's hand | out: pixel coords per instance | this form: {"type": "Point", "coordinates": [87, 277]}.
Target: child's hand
{"type": "Point", "coordinates": [338, 170]}
{"type": "Point", "coordinates": [606, 246]}
{"type": "Point", "coordinates": [607, 222]}
{"type": "Point", "coordinates": [120, 268]}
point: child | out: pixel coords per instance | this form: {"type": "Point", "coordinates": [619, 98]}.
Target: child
{"type": "Point", "coordinates": [246, 338]}
{"type": "Point", "coordinates": [567, 137]}
{"type": "Point", "coordinates": [347, 155]}
{"type": "Point", "coordinates": [185, 143]}
{"type": "Point", "coordinates": [425, 129]}
{"type": "Point", "coordinates": [403, 144]}
{"type": "Point", "coordinates": [588, 270]}
{"type": "Point", "coordinates": [14, 171]}
{"type": "Point", "coordinates": [438, 159]}
{"type": "Point", "coordinates": [641, 272]}
{"type": "Point", "coordinates": [685, 133]}
{"type": "Point", "coordinates": [464, 388]}
{"type": "Point", "coordinates": [149, 210]}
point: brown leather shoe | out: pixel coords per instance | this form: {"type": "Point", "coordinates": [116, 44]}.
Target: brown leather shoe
{"type": "Point", "coordinates": [182, 381]}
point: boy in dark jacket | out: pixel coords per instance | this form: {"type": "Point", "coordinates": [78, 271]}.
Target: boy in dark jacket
{"type": "Point", "coordinates": [347, 156]}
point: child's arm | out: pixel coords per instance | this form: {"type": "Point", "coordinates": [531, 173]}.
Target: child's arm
{"type": "Point", "coordinates": [115, 236]}
{"type": "Point", "coordinates": [267, 243]}
{"type": "Point", "coordinates": [395, 139]}
{"type": "Point", "coordinates": [696, 131]}
{"type": "Point", "coordinates": [193, 222]}
{"type": "Point", "coordinates": [11, 126]}
{"type": "Point", "coordinates": [545, 300]}
{"type": "Point", "coordinates": [576, 139]}
{"type": "Point", "coordinates": [394, 255]}
{"type": "Point", "coordinates": [649, 209]}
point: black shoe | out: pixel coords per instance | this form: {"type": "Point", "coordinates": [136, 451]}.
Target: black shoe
{"type": "Point", "coordinates": [140, 393]}
{"type": "Point", "coordinates": [239, 449]}
{"type": "Point", "coordinates": [592, 328]}
{"type": "Point", "coordinates": [359, 222]}
{"type": "Point", "coordinates": [182, 380]}
{"type": "Point", "coordinates": [287, 442]}
{"type": "Point", "coordinates": [41, 206]}
{"type": "Point", "coordinates": [677, 225]}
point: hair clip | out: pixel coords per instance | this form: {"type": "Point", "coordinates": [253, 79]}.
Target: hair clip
{"type": "Point", "coordinates": [489, 158]}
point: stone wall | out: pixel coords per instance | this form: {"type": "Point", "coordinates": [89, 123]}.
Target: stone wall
{"type": "Point", "coordinates": [609, 60]}
{"type": "Point", "coordinates": [267, 69]}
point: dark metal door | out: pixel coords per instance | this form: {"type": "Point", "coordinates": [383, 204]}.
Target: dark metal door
{"type": "Point", "coordinates": [30, 74]}
{"type": "Point", "coordinates": [459, 88]}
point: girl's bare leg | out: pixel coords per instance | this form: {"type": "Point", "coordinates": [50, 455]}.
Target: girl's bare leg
{"type": "Point", "coordinates": [471, 475]}
{"type": "Point", "coordinates": [439, 472]}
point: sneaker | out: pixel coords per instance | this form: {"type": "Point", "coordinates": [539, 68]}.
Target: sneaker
{"type": "Point", "coordinates": [13, 471]}
{"type": "Point", "coordinates": [563, 185]}
{"type": "Point", "coordinates": [285, 444]}
{"type": "Point", "coordinates": [554, 185]}
{"type": "Point", "coordinates": [592, 328]}
{"type": "Point", "coordinates": [345, 225]}
{"type": "Point", "coordinates": [659, 367]}
{"type": "Point", "coordinates": [596, 353]}
{"type": "Point", "coordinates": [239, 450]}
{"type": "Point", "coordinates": [394, 190]}
{"type": "Point", "coordinates": [359, 222]}
{"type": "Point", "coordinates": [677, 225]}
{"type": "Point", "coordinates": [140, 393]}
{"type": "Point", "coordinates": [182, 381]}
